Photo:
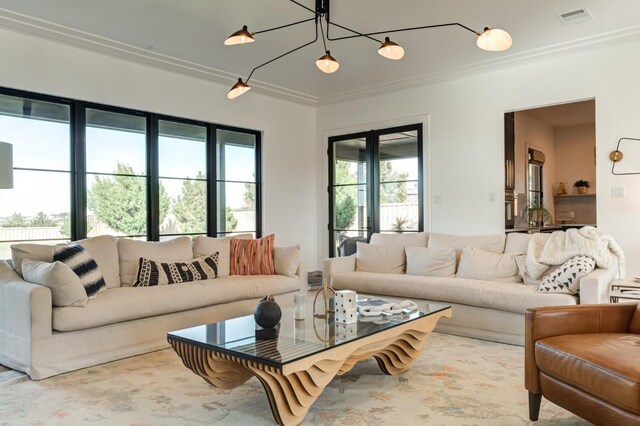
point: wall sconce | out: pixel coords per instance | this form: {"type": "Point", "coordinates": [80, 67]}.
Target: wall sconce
{"type": "Point", "coordinates": [6, 165]}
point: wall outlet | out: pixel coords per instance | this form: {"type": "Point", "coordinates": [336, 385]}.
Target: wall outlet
{"type": "Point", "coordinates": [437, 199]}
{"type": "Point", "coordinates": [617, 192]}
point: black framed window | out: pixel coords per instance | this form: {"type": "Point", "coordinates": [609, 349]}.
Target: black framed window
{"type": "Point", "coordinates": [237, 182]}
{"type": "Point", "coordinates": [83, 169]}
{"type": "Point", "coordinates": [375, 185]}
{"type": "Point", "coordinates": [116, 174]}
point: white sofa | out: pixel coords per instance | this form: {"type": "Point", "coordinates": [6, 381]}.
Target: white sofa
{"type": "Point", "coordinates": [483, 309]}
{"type": "Point", "coordinates": [43, 340]}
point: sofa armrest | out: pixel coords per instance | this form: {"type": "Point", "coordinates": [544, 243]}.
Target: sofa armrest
{"type": "Point", "coordinates": [549, 321]}
{"type": "Point", "coordinates": [594, 287]}
{"type": "Point", "coordinates": [338, 264]}
{"type": "Point", "coordinates": [25, 308]}
{"type": "Point", "coordinates": [302, 276]}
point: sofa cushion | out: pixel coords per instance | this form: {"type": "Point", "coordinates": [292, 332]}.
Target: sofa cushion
{"type": "Point", "coordinates": [130, 251]}
{"type": "Point", "coordinates": [492, 243]}
{"type": "Point", "coordinates": [130, 303]}
{"type": "Point", "coordinates": [206, 246]}
{"type": "Point", "coordinates": [517, 242]}
{"type": "Point", "coordinates": [566, 279]}
{"type": "Point", "coordinates": [66, 287]}
{"type": "Point", "coordinates": [408, 239]}
{"type": "Point", "coordinates": [252, 257]}
{"type": "Point", "coordinates": [151, 272]}
{"type": "Point", "coordinates": [485, 294]}
{"type": "Point", "coordinates": [286, 260]}
{"type": "Point", "coordinates": [22, 251]}
{"type": "Point", "coordinates": [382, 259]}
{"type": "Point", "coordinates": [104, 250]}
{"type": "Point", "coordinates": [83, 265]}
{"type": "Point", "coordinates": [483, 265]}
{"type": "Point", "coordinates": [435, 262]}
{"type": "Point", "coordinates": [604, 365]}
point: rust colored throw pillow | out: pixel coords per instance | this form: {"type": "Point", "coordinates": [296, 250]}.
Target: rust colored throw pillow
{"type": "Point", "coordinates": [252, 257]}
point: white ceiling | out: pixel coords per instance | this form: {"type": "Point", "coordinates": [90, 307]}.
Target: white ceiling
{"type": "Point", "coordinates": [566, 115]}
{"type": "Point", "coordinates": [189, 35]}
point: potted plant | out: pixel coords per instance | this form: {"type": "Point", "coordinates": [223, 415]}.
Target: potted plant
{"type": "Point", "coordinates": [536, 214]}
{"type": "Point", "coordinates": [582, 185]}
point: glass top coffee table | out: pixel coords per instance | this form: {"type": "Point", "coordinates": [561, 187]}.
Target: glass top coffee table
{"type": "Point", "coordinates": [297, 360]}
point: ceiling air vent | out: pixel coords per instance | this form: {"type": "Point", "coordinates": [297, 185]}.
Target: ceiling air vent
{"type": "Point", "coordinates": [577, 16]}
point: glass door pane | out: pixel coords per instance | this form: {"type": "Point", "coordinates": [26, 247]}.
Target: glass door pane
{"type": "Point", "coordinates": [350, 198]}
{"type": "Point", "coordinates": [398, 170]}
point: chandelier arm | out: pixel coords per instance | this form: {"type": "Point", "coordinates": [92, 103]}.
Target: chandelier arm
{"type": "Point", "coordinates": [283, 55]}
{"type": "Point", "coordinates": [401, 30]}
{"type": "Point", "coordinates": [358, 34]}
{"type": "Point", "coordinates": [283, 26]}
{"type": "Point", "coordinates": [324, 43]}
{"type": "Point", "coordinates": [305, 7]}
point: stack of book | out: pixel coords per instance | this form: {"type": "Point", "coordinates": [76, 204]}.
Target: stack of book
{"type": "Point", "coordinates": [314, 279]}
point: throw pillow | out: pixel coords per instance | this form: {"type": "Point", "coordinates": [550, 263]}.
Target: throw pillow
{"type": "Point", "coordinates": [480, 264]}
{"type": "Point", "coordinates": [286, 260]}
{"type": "Point", "coordinates": [206, 246]}
{"type": "Point", "coordinates": [66, 287]}
{"type": "Point", "coordinates": [152, 272]}
{"type": "Point", "coordinates": [252, 257]}
{"type": "Point", "coordinates": [22, 251]}
{"type": "Point", "coordinates": [80, 261]}
{"type": "Point", "coordinates": [104, 250]}
{"type": "Point", "coordinates": [130, 251]}
{"type": "Point", "coordinates": [528, 279]}
{"type": "Point", "coordinates": [493, 243]}
{"type": "Point", "coordinates": [383, 259]}
{"type": "Point", "coordinates": [566, 279]}
{"type": "Point", "coordinates": [433, 262]}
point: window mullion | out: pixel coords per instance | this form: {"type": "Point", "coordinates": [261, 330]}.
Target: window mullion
{"type": "Point", "coordinates": [212, 212]}
{"type": "Point", "coordinates": [78, 172]}
{"type": "Point", "coordinates": [153, 184]}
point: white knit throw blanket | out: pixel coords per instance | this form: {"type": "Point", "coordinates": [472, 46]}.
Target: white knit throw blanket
{"type": "Point", "coordinates": [558, 247]}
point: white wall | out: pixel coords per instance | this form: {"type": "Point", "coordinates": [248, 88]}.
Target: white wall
{"type": "Point", "coordinates": [574, 152]}
{"type": "Point", "coordinates": [466, 136]}
{"type": "Point", "coordinates": [289, 129]}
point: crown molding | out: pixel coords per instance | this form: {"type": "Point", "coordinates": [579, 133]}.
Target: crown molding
{"type": "Point", "coordinates": [50, 31]}
{"type": "Point", "coordinates": [545, 53]}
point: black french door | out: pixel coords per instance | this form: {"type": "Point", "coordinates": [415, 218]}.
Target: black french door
{"type": "Point", "coordinates": [375, 185]}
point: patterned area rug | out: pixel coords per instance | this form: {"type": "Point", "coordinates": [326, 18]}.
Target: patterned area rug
{"type": "Point", "coordinates": [456, 381]}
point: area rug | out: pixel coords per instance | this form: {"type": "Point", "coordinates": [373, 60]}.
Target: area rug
{"type": "Point", "coordinates": [455, 381]}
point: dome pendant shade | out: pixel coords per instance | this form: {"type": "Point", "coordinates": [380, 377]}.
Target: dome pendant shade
{"type": "Point", "coordinates": [327, 63]}
{"type": "Point", "coordinates": [494, 40]}
{"type": "Point", "coordinates": [391, 50]}
{"type": "Point", "coordinates": [238, 89]}
{"type": "Point", "coordinates": [242, 36]}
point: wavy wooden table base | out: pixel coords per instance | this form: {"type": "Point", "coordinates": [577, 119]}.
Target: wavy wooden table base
{"type": "Point", "coordinates": [294, 387]}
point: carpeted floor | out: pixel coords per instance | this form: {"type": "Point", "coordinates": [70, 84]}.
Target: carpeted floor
{"type": "Point", "coordinates": [456, 381]}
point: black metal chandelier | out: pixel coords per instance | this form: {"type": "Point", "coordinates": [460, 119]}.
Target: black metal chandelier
{"type": "Point", "coordinates": [492, 39]}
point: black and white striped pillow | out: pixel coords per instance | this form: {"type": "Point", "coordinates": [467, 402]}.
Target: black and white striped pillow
{"type": "Point", "coordinates": [152, 272]}
{"type": "Point", "coordinates": [85, 267]}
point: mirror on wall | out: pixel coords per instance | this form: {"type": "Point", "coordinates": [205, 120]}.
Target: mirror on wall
{"type": "Point", "coordinates": [550, 168]}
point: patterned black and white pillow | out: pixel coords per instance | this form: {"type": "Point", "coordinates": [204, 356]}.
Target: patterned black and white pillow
{"type": "Point", "coordinates": [85, 267]}
{"type": "Point", "coordinates": [152, 272]}
{"type": "Point", "coordinates": [566, 279]}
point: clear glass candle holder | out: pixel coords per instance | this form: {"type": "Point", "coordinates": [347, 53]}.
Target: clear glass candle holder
{"type": "Point", "coordinates": [300, 300]}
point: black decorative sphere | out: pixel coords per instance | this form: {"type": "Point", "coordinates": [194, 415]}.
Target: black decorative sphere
{"type": "Point", "coordinates": [267, 313]}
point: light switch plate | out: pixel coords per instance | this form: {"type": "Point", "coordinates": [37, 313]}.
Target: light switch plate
{"type": "Point", "coordinates": [617, 192]}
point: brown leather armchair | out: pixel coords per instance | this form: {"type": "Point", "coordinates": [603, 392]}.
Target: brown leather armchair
{"type": "Point", "coordinates": [586, 359]}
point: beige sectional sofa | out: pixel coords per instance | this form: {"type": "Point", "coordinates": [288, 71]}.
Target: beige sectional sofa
{"type": "Point", "coordinates": [43, 340]}
{"type": "Point", "coordinates": [485, 309]}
